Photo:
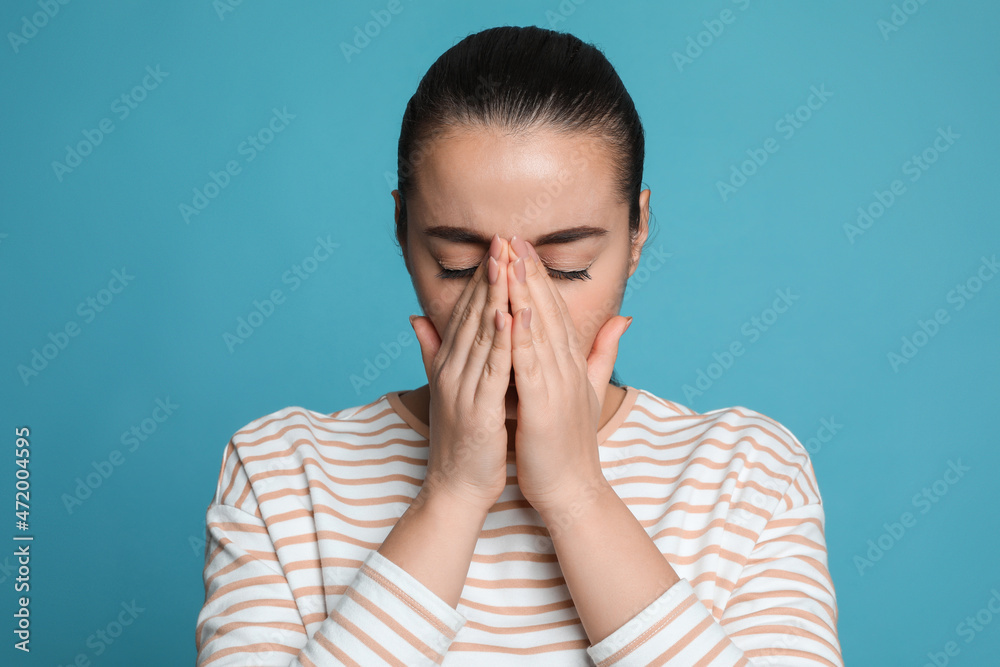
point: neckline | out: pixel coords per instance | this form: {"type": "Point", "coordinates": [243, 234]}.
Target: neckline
{"type": "Point", "coordinates": [617, 419]}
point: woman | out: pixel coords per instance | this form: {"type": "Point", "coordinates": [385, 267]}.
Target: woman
{"type": "Point", "coordinates": [522, 507]}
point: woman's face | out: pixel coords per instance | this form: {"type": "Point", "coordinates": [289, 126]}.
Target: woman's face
{"type": "Point", "coordinates": [554, 191]}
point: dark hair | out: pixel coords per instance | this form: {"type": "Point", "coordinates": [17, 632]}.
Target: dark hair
{"type": "Point", "coordinates": [518, 79]}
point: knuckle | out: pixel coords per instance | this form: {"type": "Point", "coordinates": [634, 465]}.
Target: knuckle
{"type": "Point", "coordinates": [492, 368]}
{"type": "Point", "coordinates": [542, 337]}
{"type": "Point", "coordinates": [484, 337]}
{"type": "Point", "coordinates": [444, 378]}
{"type": "Point", "coordinates": [553, 310]}
{"type": "Point", "coordinates": [467, 314]}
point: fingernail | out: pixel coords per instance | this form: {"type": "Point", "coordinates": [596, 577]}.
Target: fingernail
{"type": "Point", "coordinates": [519, 270]}
{"type": "Point", "coordinates": [518, 245]}
{"type": "Point", "coordinates": [527, 318]}
{"type": "Point", "coordinates": [412, 317]}
{"type": "Point", "coordinates": [500, 320]}
{"type": "Point", "coordinates": [627, 325]}
{"type": "Point", "coordinates": [531, 250]}
{"type": "Point", "coordinates": [493, 269]}
{"type": "Point", "coordinates": [495, 246]}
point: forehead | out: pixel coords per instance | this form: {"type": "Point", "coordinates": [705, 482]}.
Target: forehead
{"type": "Point", "coordinates": [526, 184]}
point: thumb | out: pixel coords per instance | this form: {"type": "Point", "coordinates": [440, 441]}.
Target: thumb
{"type": "Point", "coordinates": [430, 341]}
{"type": "Point", "coordinates": [601, 361]}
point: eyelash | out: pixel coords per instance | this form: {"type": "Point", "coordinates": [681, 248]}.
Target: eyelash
{"type": "Point", "coordinates": [582, 274]}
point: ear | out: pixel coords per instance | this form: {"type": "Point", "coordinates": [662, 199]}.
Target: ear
{"type": "Point", "coordinates": [397, 197]}
{"type": "Point", "coordinates": [635, 251]}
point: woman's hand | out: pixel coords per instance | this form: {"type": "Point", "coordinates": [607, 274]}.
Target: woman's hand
{"type": "Point", "coordinates": [468, 372]}
{"type": "Point", "coordinates": [561, 388]}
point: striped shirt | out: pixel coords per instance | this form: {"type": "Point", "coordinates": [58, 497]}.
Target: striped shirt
{"type": "Point", "coordinates": [293, 575]}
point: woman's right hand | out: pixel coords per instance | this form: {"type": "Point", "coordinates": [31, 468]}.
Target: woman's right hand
{"type": "Point", "coordinates": [468, 373]}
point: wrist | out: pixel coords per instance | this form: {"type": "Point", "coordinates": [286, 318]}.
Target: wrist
{"type": "Point", "coordinates": [565, 507]}
{"type": "Point", "coordinates": [452, 506]}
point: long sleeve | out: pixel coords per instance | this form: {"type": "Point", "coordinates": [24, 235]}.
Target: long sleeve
{"type": "Point", "coordinates": [250, 611]}
{"type": "Point", "coordinates": [782, 610]}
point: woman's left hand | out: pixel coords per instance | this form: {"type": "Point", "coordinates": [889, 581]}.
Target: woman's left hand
{"type": "Point", "coordinates": [561, 388]}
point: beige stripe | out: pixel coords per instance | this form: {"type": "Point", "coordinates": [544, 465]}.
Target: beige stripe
{"type": "Point", "coordinates": [409, 601]}
{"type": "Point", "coordinates": [786, 630]}
{"type": "Point", "coordinates": [520, 629]}
{"type": "Point", "coordinates": [335, 651]}
{"type": "Point", "coordinates": [783, 593]}
{"type": "Point", "coordinates": [635, 643]}
{"type": "Point", "coordinates": [252, 649]}
{"type": "Point", "coordinates": [510, 650]}
{"type": "Point", "coordinates": [365, 639]}
{"type": "Point", "coordinates": [246, 583]}
{"type": "Point", "coordinates": [508, 610]}
{"type": "Point", "coordinates": [711, 655]}
{"type": "Point", "coordinates": [392, 624]}
{"type": "Point", "coordinates": [784, 574]}
{"type": "Point", "coordinates": [683, 642]}
{"type": "Point", "coordinates": [248, 604]}
{"type": "Point", "coordinates": [753, 653]}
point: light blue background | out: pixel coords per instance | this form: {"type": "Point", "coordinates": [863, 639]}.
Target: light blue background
{"type": "Point", "coordinates": [139, 536]}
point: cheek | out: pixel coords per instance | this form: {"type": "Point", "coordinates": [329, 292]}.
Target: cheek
{"type": "Point", "coordinates": [438, 298]}
{"type": "Point", "coordinates": [590, 309]}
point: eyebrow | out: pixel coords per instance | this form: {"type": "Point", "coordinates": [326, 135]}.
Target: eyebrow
{"type": "Point", "coordinates": [466, 235]}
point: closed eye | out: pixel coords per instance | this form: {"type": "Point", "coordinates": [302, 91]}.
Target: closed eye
{"type": "Point", "coordinates": [582, 274]}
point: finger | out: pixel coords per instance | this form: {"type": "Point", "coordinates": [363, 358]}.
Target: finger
{"type": "Point", "coordinates": [601, 361]}
{"type": "Point", "coordinates": [428, 339]}
{"type": "Point", "coordinates": [495, 373]}
{"type": "Point", "coordinates": [528, 375]}
{"type": "Point", "coordinates": [571, 333]}
{"type": "Point", "coordinates": [483, 344]}
{"type": "Point", "coordinates": [465, 317]}
{"type": "Point", "coordinates": [547, 329]}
